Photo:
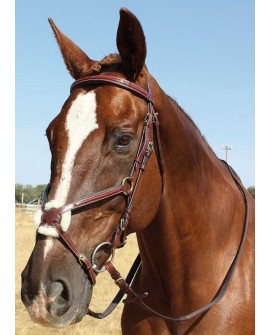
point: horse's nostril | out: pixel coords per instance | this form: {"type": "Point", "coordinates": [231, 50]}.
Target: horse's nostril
{"type": "Point", "coordinates": [58, 298]}
{"type": "Point", "coordinates": [56, 289]}
{"type": "Point", "coordinates": [64, 295]}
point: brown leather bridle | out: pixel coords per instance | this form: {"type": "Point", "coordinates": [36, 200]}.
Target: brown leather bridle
{"type": "Point", "coordinates": [128, 185]}
{"type": "Point", "coordinates": [128, 188]}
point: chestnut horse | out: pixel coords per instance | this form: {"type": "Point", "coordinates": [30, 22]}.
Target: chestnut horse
{"type": "Point", "coordinates": [126, 158]}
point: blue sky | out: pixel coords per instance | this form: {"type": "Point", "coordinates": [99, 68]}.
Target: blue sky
{"type": "Point", "coordinates": [200, 52]}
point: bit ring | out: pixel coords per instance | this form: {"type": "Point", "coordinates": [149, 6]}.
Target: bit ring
{"type": "Point", "coordinates": [128, 181]}
{"type": "Point", "coordinates": [94, 265]}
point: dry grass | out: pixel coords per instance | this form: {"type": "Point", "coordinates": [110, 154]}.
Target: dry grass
{"type": "Point", "coordinates": [104, 290]}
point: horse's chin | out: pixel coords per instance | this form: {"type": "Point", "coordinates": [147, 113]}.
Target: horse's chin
{"type": "Point", "coordinates": [82, 305]}
{"type": "Point", "coordinates": [46, 316]}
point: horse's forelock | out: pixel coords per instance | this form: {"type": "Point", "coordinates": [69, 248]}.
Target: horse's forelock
{"type": "Point", "coordinates": [107, 61]}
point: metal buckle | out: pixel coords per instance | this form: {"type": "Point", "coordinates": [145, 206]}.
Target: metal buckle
{"type": "Point", "coordinates": [147, 117]}
{"type": "Point", "coordinates": [150, 147]}
{"type": "Point", "coordinates": [80, 259]}
{"type": "Point", "coordinates": [121, 224]}
{"type": "Point", "coordinates": [94, 265]}
{"type": "Point", "coordinates": [117, 280]}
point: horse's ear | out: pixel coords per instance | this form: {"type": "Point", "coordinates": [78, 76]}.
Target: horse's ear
{"type": "Point", "coordinates": [77, 62]}
{"type": "Point", "coordinates": [131, 42]}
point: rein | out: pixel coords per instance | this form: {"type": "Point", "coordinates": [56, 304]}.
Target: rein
{"type": "Point", "coordinates": [128, 188]}
{"type": "Point", "coordinates": [124, 285]}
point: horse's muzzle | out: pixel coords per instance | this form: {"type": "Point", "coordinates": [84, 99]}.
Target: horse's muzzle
{"type": "Point", "coordinates": [52, 302]}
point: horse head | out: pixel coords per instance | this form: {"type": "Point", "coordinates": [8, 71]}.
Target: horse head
{"type": "Point", "coordinates": [93, 142]}
{"type": "Point", "coordinates": [109, 178]}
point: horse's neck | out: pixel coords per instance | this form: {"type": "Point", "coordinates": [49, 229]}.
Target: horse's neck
{"type": "Point", "coordinates": [181, 248]}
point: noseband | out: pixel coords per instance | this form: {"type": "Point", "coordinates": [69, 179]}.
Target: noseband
{"type": "Point", "coordinates": [127, 187]}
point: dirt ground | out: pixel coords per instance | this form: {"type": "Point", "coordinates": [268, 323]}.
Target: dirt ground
{"type": "Point", "coordinates": [104, 290]}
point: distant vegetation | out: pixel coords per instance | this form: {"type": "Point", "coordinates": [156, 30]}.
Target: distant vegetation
{"type": "Point", "coordinates": [29, 192]}
{"type": "Point", "coordinates": [251, 190]}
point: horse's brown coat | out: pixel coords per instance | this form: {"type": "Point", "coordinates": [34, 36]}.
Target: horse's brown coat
{"type": "Point", "coordinates": [188, 235]}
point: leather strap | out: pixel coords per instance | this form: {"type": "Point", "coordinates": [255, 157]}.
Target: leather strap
{"type": "Point", "coordinates": [82, 259]}
{"type": "Point", "coordinates": [130, 277]}
{"type": "Point", "coordinates": [129, 184]}
{"type": "Point", "coordinates": [136, 298]}
{"type": "Point", "coordinates": [52, 214]}
{"type": "Point", "coordinates": [106, 79]}
{"type": "Point", "coordinates": [52, 217]}
{"type": "Point", "coordinates": [225, 284]}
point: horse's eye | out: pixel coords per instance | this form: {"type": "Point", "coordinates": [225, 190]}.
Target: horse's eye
{"type": "Point", "coordinates": [124, 140]}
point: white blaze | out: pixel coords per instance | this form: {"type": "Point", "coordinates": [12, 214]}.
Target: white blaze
{"type": "Point", "coordinates": [80, 122]}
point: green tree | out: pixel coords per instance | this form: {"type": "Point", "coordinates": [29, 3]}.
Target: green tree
{"type": "Point", "coordinates": [30, 192]}
{"type": "Point", "coordinates": [18, 192]}
{"type": "Point", "coordinates": [38, 190]}
{"type": "Point", "coordinates": [251, 190]}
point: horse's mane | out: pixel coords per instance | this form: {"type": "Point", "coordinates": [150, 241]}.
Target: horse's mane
{"type": "Point", "coordinates": [187, 116]}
